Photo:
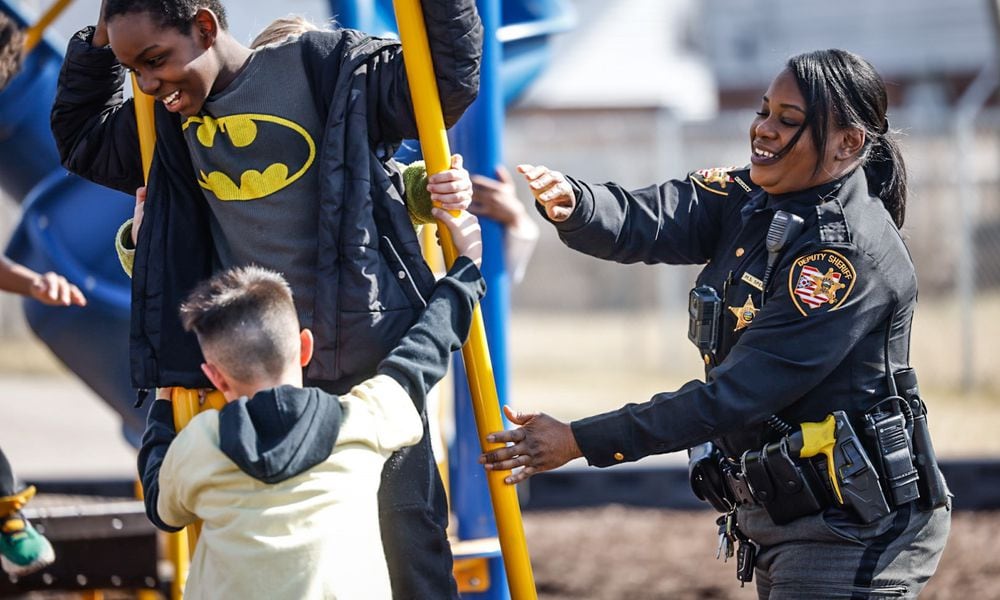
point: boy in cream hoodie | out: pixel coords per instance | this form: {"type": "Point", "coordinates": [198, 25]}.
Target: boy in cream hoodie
{"type": "Point", "coordinates": [285, 478]}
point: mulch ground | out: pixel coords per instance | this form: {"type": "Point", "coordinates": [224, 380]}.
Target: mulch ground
{"type": "Point", "coordinates": [618, 553]}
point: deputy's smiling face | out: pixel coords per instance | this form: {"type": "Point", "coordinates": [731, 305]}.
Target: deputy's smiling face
{"type": "Point", "coordinates": [774, 165]}
{"type": "Point", "coordinates": [175, 68]}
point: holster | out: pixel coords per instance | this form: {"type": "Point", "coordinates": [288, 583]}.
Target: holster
{"type": "Point", "coordinates": [705, 475]}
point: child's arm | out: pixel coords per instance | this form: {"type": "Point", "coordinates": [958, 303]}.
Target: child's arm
{"type": "Point", "coordinates": [497, 199]}
{"type": "Point", "coordinates": [94, 127]}
{"type": "Point", "coordinates": [125, 246]}
{"type": "Point", "coordinates": [421, 358]}
{"type": "Point", "coordinates": [50, 288]}
{"type": "Point", "coordinates": [155, 443]}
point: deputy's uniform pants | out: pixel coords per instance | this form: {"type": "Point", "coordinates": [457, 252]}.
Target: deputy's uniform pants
{"type": "Point", "coordinates": [830, 555]}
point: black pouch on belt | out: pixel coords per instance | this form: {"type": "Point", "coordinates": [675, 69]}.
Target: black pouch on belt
{"type": "Point", "coordinates": [784, 488]}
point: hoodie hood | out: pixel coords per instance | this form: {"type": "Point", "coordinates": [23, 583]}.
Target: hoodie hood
{"type": "Point", "coordinates": [280, 432]}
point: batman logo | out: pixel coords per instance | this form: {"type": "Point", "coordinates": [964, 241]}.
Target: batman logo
{"type": "Point", "coordinates": [243, 131]}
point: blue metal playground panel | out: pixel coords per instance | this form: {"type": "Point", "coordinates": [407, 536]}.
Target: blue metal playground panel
{"type": "Point", "coordinates": [68, 226]}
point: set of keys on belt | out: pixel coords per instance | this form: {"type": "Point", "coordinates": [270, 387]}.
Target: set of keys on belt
{"type": "Point", "coordinates": [731, 537]}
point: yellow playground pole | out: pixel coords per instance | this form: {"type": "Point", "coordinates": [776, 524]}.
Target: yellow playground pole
{"type": "Point", "coordinates": [475, 353]}
{"type": "Point", "coordinates": [34, 33]}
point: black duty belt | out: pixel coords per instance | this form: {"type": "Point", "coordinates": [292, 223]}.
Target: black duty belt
{"type": "Point", "coordinates": [787, 488]}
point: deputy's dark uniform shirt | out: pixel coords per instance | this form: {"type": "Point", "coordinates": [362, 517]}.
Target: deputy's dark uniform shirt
{"type": "Point", "coordinates": [810, 343]}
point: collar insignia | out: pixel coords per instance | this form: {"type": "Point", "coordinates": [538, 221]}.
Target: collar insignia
{"type": "Point", "coordinates": [742, 184]}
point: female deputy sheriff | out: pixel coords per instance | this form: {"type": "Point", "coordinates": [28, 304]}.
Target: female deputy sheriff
{"type": "Point", "coordinates": [821, 459]}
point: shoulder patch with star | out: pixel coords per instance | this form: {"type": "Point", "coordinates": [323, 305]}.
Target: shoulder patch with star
{"type": "Point", "coordinates": [716, 180]}
{"type": "Point", "coordinates": [820, 281]}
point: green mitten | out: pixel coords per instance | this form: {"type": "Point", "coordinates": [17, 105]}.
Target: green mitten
{"type": "Point", "coordinates": [418, 199]}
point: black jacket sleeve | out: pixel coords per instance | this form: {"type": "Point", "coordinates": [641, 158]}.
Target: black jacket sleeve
{"type": "Point", "coordinates": [421, 358]}
{"type": "Point", "coordinates": [676, 222]}
{"type": "Point", "coordinates": [155, 443]}
{"type": "Point", "coordinates": [455, 35]}
{"type": "Point", "coordinates": [93, 125]}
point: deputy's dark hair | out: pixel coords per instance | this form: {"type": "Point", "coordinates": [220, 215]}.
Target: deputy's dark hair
{"type": "Point", "coordinates": [11, 49]}
{"type": "Point", "coordinates": [178, 14]}
{"type": "Point", "coordinates": [842, 86]}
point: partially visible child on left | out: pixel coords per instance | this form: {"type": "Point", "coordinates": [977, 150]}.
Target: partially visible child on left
{"type": "Point", "coordinates": [22, 549]}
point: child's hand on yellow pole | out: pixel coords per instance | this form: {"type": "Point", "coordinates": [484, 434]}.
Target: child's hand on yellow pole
{"type": "Point", "coordinates": [466, 234]}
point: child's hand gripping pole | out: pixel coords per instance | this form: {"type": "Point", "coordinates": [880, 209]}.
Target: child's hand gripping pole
{"type": "Point", "coordinates": [475, 353]}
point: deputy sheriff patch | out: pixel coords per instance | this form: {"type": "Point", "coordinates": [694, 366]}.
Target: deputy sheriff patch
{"type": "Point", "coordinates": [714, 180]}
{"type": "Point", "coordinates": [820, 281]}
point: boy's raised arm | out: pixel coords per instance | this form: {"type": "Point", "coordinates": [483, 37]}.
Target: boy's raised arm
{"type": "Point", "coordinates": [93, 125]}
{"type": "Point", "coordinates": [421, 358]}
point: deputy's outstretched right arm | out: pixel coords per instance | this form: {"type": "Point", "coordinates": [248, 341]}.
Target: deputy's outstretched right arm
{"type": "Point", "coordinates": [676, 222]}
{"type": "Point", "coordinates": [94, 126]}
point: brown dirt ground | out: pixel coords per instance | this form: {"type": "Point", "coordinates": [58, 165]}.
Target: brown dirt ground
{"type": "Point", "coordinates": [618, 553]}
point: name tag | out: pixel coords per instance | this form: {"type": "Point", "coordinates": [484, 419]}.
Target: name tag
{"type": "Point", "coordinates": [752, 281]}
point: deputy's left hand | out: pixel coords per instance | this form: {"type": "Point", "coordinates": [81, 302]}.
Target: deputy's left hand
{"type": "Point", "coordinates": [451, 189]}
{"type": "Point", "coordinates": [541, 443]}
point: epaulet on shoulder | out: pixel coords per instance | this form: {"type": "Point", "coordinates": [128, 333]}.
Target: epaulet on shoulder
{"type": "Point", "coordinates": [719, 180]}
{"type": "Point", "coordinates": [832, 223]}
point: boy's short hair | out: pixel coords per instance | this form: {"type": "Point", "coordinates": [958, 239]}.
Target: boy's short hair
{"type": "Point", "coordinates": [178, 14]}
{"type": "Point", "coordinates": [245, 321]}
{"type": "Point", "coordinates": [11, 49]}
